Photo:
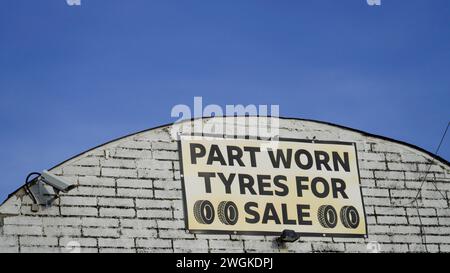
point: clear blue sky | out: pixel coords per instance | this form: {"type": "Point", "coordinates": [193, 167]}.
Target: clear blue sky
{"type": "Point", "coordinates": [75, 77]}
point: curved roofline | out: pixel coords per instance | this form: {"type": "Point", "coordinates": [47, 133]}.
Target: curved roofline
{"type": "Point", "coordinates": [434, 156]}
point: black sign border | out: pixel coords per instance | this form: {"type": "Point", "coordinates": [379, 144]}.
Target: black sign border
{"type": "Point", "coordinates": [269, 233]}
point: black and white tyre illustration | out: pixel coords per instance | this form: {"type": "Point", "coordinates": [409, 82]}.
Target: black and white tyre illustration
{"type": "Point", "coordinates": [327, 216]}
{"type": "Point", "coordinates": [228, 213]}
{"type": "Point", "coordinates": [349, 217]}
{"type": "Point", "coordinates": [204, 212]}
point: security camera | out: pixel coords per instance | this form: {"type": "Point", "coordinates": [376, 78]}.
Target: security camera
{"type": "Point", "coordinates": [55, 182]}
{"type": "Point", "coordinates": [38, 191]}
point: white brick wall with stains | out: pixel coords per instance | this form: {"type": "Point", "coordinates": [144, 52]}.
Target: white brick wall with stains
{"type": "Point", "coordinates": [129, 199]}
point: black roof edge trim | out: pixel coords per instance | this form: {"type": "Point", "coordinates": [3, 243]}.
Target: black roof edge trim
{"type": "Point", "coordinates": [283, 118]}
{"type": "Point", "coordinates": [436, 157]}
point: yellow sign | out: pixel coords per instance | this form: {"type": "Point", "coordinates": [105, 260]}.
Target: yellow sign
{"type": "Point", "coordinates": [249, 186]}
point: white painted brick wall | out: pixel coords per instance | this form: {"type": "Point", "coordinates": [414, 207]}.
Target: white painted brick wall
{"type": "Point", "coordinates": [129, 199]}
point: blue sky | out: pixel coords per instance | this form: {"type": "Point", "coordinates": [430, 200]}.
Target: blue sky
{"type": "Point", "coordinates": [74, 77]}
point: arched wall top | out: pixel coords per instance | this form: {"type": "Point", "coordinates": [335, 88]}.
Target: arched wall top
{"type": "Point", "coordinates": [363, 133]}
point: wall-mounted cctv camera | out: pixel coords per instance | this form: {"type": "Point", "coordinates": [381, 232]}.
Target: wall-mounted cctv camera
{"type": "Point", "coordinates": [54, 181]}
{"type": "Point", "coordinates": [45, 188]}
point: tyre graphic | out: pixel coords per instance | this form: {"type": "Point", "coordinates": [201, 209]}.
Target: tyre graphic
{"type": "Point", "coordinates": [349, 217]}
{"type": "Point", "coordinates": [327, 216]}
{"type": "Point", "coordinates": [204, 212]}
{"type": "Point", "coordinates": [228, 213]}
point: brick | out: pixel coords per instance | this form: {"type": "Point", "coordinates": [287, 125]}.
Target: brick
{"type": "Point", "coordinates": [38, 241]}
{"type": "Point", "coordinates": [43, 211]}
{"type": "Point", "coordinates": [79, 211]}
{"type": "Point", "coordinates": [437, 230]}
{"type": "Point", "coordinates": [373, 165]}
{"type": "Point", "coordinates": [404, 229]}
{"type": "Point", "coordinates": [422, 211]}
{"type": "Point", "coordinates": [356, 248]}
{"type": "Point", "coordinates": [154, 135]}
{"type": "Point", "coordinates": [171, 224]}
{"type": "Point", "coordinates": [393, 157]}
{"type": "Point", "coordinates": [23, 221]}
{"type": "Point", "coordinates": [165, 194]}
{"type": "Point", "coordinates": [300, 247]}
{"type": "Point", "coordinates": [9, 249]}
{"type": "Point", "coordinates": [375, 192]}
{"type": "Point", "coordinates": [114, 172]}
{"type": "Point", "coordinates": [226, 245]}
{"type": "Point", "coordinates": [403, 193]}
{"type": "Point", "coordinates": [83, 242]}
{"type": "Point", "coordinates": [61, 221]}
{"type": "Point", "coordinates": [414, 220]}
{"type": "Point", "coordinates": [377, 201]}
{"type": "Point", "coordinates": [128, 192]}
{"type": "Point", "coordinates": [190, 245]}
{"type": "Point", "coordinates": [77, 201]}
{"type": "Point", "coordinates": [154, 164]}
{"type": "Point", "coordinates": [116, 202]}
{"type": "Point", "coordinates": [154, 174]}
{"type": "Point", "coordinates": [406, 239]}
{"type": "Point", "coordinates": [131, 153]}
{"type": "Point", "coordinates": [96, 181]}
{"type": "Point", "coordinates": [392, 184]}
{"type": "Point", "coordinates": [138, 223]}
{"type": "Point", "coordinates": [395, 166]}
{"type": "Point", "coordinates": [258, 245]}
{"type": "Point", "coordinates": [169, 146]}
{"type": "Point", "coordinates": [118, 163]}
{"type": "Point", "coordinates": [99, 222]}
{"type": "Point", "coordinates": [390, 211]}
{"type": "Point", "coordinates": [167, 184]}
{"type": "Point", "coordinates": [117, 243]}
{"type": "Point", "coordinates": [110, 212]}
{"type": "Point", "coordinates": [9, 241]}
{"type": "Point", "coordinates": [417, 176]}
{"type": "Point", "coordinates": [153, 243]}
{"type": "Point", "coordinates": [134, 183]}
{"type": "Point", "coordinates": [79, 170]}
{"type": "Point", "coordinates": [62, 231]}
{"type": "Point", "coordinates": [430, 168]}
{"type": "Point", "coordinates": [22, 230]}
{"type": "Point", "coordinates": [116, 250]}
{"type": "Point", "coordinates": [434, 239]}
{"type": "Point", "coordinates": [101, 232]}
{"type": "Point", "coordinates": [435, 203]}
{"type": "Point", "coordinates": [372, 156]}
{"type": "Point", "coordinates": [137, 145]}
{"type": "Point", "coordinates": [367, 174]}
{"type": "Point", "coordinates": [153, 213]}
{"type": "Point", "coordinates": [87, 161]}
{"type": "Point", "coordinates": [40, 249]}
{"type": "Point", "coordinates": [390, 247]}
{"type": "Point", "coordinates": [150, 203]}
{"type": "Point", "coordinates": [139, 233]}
{"type": "Point", "coordinates": [444, 221]}
{"type": "Point", "coordinates": [94, 191]}
{"type": "Point", "coordinates": [175, 233]}
{"type": "Point", "coordinates": [407, 157]}
{"type": "Point", "coordinates": [391, 220]}
{"type": "Point", "coordinates": [328, 247]}
{"type": "Point", "coordinates": [168, 155]}
{"type": "Point", "coordinates": [390, 175]}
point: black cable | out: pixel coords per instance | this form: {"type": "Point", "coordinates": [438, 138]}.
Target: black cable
{"type": "Point", "coordinates": [429, 167]}
{"type": "Point", "coordinates": [27, 185]}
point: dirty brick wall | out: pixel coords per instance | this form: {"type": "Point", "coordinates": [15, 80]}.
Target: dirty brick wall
{"type": "Point", "coordinates": [129, 199]}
